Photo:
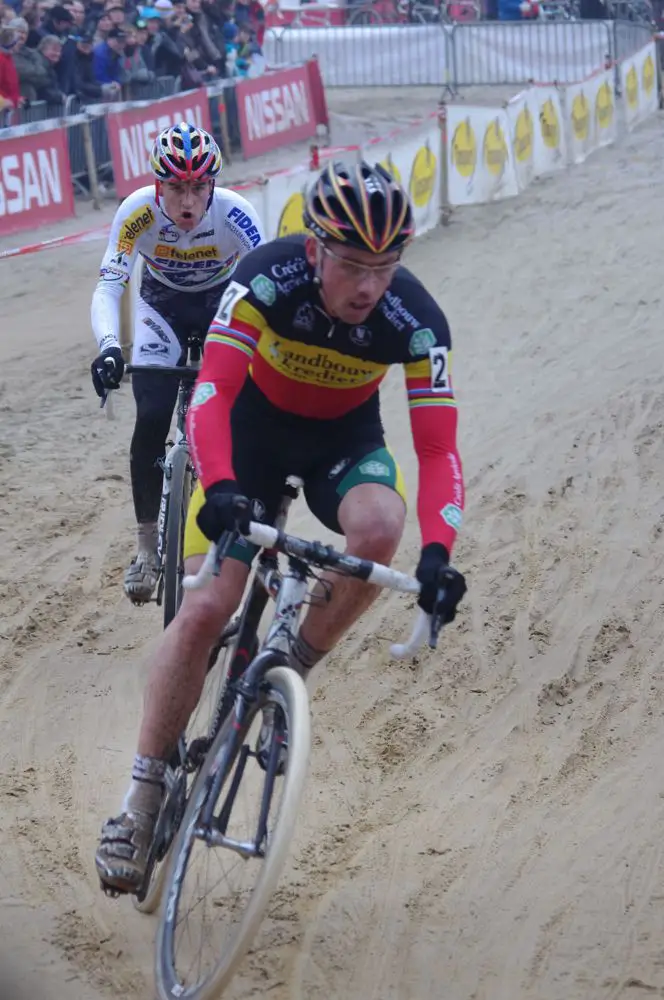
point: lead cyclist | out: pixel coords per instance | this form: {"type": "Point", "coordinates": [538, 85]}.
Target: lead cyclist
{"type": "Point", "coordinates": [191, 235]}
{"type": "Point", "coordinates": [303, 337]}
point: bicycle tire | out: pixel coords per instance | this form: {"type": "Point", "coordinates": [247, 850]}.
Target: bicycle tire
{"type": "Point", "coordinates": [176, 516]}
{"type": "Point", "coordinates": [149, 898]}
{"type": "Point", "coordinates": [222, 756]}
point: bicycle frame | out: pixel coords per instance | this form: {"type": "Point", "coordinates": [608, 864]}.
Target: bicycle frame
{"type": "Point", "coordinates": [180, 444]}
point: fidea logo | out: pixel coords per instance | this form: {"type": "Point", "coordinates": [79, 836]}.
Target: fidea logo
{"type": "Point", "coordinates": [136, 140]}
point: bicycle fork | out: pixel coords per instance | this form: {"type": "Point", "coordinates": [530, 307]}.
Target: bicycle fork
{"type": "Point", "coordinates": [292, 591]}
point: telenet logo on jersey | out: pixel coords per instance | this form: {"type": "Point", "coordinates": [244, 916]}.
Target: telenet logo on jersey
{"type": "Point", "coordinates": [195, 258]}
{"type": "Point", "coordinates": [315, 366]}
{"type": "Point", "coordinates": [141, 220]}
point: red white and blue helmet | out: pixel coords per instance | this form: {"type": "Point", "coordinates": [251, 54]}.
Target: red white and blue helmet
{"type": "Point", "coordinates": [185, 152]}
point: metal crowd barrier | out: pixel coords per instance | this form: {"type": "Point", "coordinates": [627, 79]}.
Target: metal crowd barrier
{"type": "Point", "coordinates": [514, 53]}
{"type": "Point", "coordinates": [478, 53]}
{"type": "Point", "coordinates": [369, 55]}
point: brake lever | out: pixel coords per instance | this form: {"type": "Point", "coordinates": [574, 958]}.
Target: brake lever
{"type": "Point", "coordinates": [436, 621]}
{"type": "Point", "coordinates": [221, 551]}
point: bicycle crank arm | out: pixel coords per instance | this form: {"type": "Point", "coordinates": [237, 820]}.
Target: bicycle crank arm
{"type": "Point", "coordinates": [245, 848]}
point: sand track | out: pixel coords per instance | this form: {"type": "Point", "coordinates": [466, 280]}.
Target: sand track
{"type": "Point", "coordinates": [482, 824]}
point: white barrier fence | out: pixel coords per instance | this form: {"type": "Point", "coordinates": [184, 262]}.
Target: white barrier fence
{"type": "Point", "coordinates": [496, 153]}
{"type": "Point", "coordinates": [413, 154]}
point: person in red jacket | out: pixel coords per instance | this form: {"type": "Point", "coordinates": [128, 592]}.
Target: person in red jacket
{"type": "Point", "coordinates": [9, 90]}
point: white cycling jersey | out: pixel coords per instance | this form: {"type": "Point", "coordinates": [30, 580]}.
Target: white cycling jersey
{"type": "Point", "coordinates": [186, 262]}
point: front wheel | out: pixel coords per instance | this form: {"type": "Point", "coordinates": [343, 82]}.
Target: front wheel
{"type": "Point", "coordinates": [235, 861]}
{"type": "Point", "coordinates": [178, 505]}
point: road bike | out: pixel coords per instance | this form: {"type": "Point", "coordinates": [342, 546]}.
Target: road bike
{"type": "Point", "coordinates": [179, 479]}
{"type": "Point", "coordinates": [218, 771]}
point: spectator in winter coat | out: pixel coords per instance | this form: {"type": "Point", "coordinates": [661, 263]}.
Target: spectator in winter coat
{"type": "Point", "coordinates": [9, 87]}
{"type": "Point", "coordinates": [50, 51]}
{"type": "Point", "coordinates": [143, 42]}
{"type": "Point", "coordinates": [134, 70]}
{"type": "Point", "coordinates": [78, 13]}
{"type": "Point", "coordinates": [204, 37]}
{"type": "Point", "coordinates": [167, 46]}
{"type": "Point", "coordinates": [87, 88]}
{"type": "Point", "coordinates": [102, 29]}
{"type": "Point", "coordinates": [32, 75]}
{"type": "Point", "coordinates": [59, 21]}
{"type": "Point", "coordinates": [107, 57]}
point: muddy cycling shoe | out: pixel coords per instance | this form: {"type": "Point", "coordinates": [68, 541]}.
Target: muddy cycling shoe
{"type": "Point", "coordinates": [122, 855]}
{"type": "Point", "coordinates": [264, 741]}
{"type": "Point", "coordinates": [141, 577]}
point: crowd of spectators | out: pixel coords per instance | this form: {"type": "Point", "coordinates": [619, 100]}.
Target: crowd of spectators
{"type": "Point", "coordinates": [103, 50]}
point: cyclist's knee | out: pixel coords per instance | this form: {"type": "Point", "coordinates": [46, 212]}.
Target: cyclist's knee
{"type": "Point", "coordinates": [205, 612]}
{"type": "Point", "coordinates": [372, 517]}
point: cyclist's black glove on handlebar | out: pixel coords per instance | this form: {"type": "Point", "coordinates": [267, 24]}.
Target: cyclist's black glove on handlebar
{"type": "Point", "coordinates": [225, 509]}
{"type": "Point", "coordinates": [437, 576]}
{"type": "Point", "coordinates": [107, 371]}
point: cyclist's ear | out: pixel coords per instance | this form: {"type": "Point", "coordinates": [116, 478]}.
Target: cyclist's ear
{"type": "Point", "coordinates": [311, 250]}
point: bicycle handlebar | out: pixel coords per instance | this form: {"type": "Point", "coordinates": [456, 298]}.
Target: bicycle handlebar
{"type": "Point", "coordinates": [184, 372]}
{"type": "Point", "coordinates": [325, 557]}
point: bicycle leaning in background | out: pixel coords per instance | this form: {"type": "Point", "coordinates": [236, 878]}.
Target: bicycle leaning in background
{"type": "Point", "coordinates": [179, 479]}
{"type": "Point", "coordinates": [203, 836]}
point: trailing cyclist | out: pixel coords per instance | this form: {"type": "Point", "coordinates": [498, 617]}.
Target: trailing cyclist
{"type": "Point", "coordinates": [320, 319]}
{"type": "Point", "coordinates": [191, 235]}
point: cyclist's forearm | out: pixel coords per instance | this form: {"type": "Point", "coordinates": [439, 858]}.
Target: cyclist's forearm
{"type": "Point", "coordinates": [440, 499]}
{"type": "Point", "coordinates": [105, 313]}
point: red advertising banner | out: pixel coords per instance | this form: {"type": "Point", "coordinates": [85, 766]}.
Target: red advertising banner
{"type": "Point", "coordinates": [275, 110]}
{"type": "Point", "coordinates": [35, 181]}
{"type": "Point", "coordinates": [132, 132]}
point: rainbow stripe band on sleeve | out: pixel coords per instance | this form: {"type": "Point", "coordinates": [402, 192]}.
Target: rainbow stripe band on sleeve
{"type": "Point", "coordinates": [425, 397]}
{"type": "Point", "coordinates": [245, 342]}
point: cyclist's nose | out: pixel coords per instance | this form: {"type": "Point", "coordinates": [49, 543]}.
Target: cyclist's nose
{"type": "Point", "coordinates": [367, 281]}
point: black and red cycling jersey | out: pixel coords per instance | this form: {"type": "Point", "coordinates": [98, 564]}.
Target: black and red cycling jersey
{"type": "Point", "coordinates": [271, 327]}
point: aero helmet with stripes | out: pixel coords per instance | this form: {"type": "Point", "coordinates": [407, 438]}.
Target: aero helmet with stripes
{"type": "Point", "coordinates": [361, 206]}
{"type": "Point", "coordinates": [185, 152]}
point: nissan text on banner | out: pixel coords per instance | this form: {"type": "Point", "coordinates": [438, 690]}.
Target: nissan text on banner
{"type": "Point", "coordinates": [275, 110]}
{"type": "Point", "coordinates": [132, 132]}
{"type": "Point", "coordinates": [35, 181]}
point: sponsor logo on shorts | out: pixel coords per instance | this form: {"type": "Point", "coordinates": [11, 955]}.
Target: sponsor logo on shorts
{"type": "Point", "coordinates": [160, 332]}
{"type": "Point", "coordinates": [339, 467]}
{"type": "Point", "coordinates": [452, 515]}
{"type": "Point", "coordinates": [420, 342]}
{"type": "Point", "coordinates": [264, 289]}
{"type": "Point", "coordinates": [374, 468]}
{"type": "Point", "coordinates": [153, 349]}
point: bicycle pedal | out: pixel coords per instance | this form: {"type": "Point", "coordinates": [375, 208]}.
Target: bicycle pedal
{"type": "Point", "coordinates": [196, 752]}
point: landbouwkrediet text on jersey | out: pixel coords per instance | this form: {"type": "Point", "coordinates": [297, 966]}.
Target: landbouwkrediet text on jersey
{"type": "Point", "coordinates": [393, 310]}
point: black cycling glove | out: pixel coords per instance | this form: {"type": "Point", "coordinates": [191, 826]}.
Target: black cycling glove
{"type": "Point", "coordinates": [225, 509]}
{"type": "Point", "coordinates": [436, 575]}
{"type": "Point", "coordinates": [107, 371]}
